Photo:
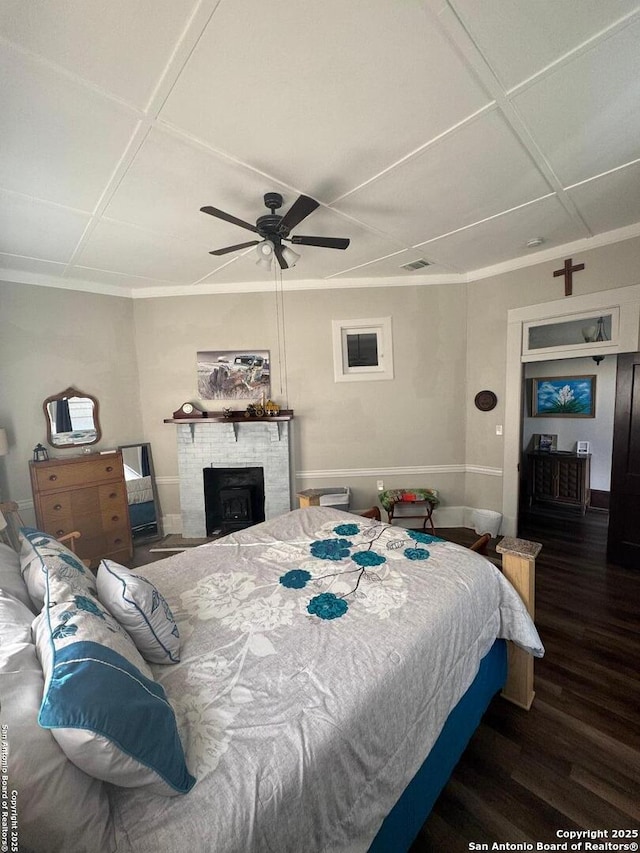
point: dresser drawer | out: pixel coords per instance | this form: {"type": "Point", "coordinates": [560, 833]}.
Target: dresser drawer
{"type": "Point", "coordinates": [59, 527]}
{"type": "Point", "coordinates": [117, 540]}
{"type": "Point", "coordinates": [113, 505]}
{"type": "Point", "coordinates": [103, 545]}
{"type": "Point", "coordinates": [52, 476]}
{"type": "Point", "coordinates": [56, 509]}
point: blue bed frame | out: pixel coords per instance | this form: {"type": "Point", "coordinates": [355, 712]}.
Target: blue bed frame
{"type": "Point", "coordinates": [404, 821]}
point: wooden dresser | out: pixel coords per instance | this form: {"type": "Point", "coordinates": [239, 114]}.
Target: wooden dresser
{"type": "Point", "coordinates": [561, 477]}
{"type": "Point", "coordinates": [85, 493]}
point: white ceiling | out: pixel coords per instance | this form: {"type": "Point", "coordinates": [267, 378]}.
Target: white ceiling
{"type": "Point", "coordinates": [450, 130]}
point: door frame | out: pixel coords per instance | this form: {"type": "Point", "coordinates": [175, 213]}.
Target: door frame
{"type": "Point", "coordinates": [626, 299]}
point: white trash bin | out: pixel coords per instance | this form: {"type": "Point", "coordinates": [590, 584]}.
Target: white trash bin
{"type": "Point", "coordinates": [486, 521]}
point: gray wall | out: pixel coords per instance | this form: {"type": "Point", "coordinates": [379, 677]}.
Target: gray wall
{"type": "Point", "coordinates": [138, 357]}
{"type": "Point", "coordinates": [51, 339]}
{"type": "Point", "coordinates": [489, 300]}
{"type": "Point", "coordinates": [352, 427]}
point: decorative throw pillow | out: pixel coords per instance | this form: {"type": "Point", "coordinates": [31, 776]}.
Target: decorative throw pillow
{"type": "Point", "coordinates": [60, 808]}
{"type": "Point", "coordinates": [141, 610]}
{"type": "Point", "coordinates": [100, 701]}
{"type": "Point", "coordinates": [40, 554]}
{"type": "Point", "coordinates": [10, 578]}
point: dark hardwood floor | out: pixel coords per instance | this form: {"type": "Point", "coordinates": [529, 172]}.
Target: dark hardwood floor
{"type": "Point", "coordinates": [573, 761]}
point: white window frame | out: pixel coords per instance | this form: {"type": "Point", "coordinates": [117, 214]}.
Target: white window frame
{"type": "Point", "coordinates": [381, 327]}
{"type": "Point", "coordinates": [570, 350]}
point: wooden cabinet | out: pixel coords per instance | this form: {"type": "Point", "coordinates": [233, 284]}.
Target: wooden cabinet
{"type": "Point", "coordinates": [85, 493]}
{"type": "Point", "coordinates": [562, 478]}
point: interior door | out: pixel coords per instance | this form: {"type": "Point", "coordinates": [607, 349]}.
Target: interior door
{"type": "Point", "coordinates": [623, 544]}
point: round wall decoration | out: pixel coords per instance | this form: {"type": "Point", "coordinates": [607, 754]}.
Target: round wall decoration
{"type": "Point", "coordinates": [485, 400]}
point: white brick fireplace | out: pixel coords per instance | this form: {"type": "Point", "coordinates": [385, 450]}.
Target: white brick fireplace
{"type": "Point", "coordinates": [221, 444]}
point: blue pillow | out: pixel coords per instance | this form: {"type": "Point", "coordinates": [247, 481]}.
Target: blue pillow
{"type": "Point", "coordinates": [100, 701]}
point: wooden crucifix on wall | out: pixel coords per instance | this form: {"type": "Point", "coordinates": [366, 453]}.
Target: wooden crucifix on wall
{"type": "Point", "coordinates": [567, 271]}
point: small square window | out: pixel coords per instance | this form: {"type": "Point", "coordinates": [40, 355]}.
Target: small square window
{"type": "Point", "coordinates": [362, 349]}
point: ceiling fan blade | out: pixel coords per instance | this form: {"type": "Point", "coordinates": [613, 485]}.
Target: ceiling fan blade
{"type": "Point", "coordinates": [277, 248]}
{"type": "Point", "coordinates": [235, 248]}
{"type": "Point", "coordinates": [325, 242]}
{"type": "Point", "coordinates": [300, 209]}
{"type": "Point", "coordinates": [220, 214]}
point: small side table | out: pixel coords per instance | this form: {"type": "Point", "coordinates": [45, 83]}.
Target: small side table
{"type": "Point", "coordinates": [426, 499]}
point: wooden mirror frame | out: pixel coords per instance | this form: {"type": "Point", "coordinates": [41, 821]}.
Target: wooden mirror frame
{"type": "Point", "coordinates": [64, 395]}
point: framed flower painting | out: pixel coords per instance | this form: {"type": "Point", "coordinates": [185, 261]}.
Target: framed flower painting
{"type": "Point", "coordinates": [564, 397]}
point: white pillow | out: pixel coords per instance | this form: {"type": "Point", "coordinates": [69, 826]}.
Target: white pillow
{"type": "Point", "coordinates": [60, 808]}
{"type": "Point", "coordinates": [100, 701]}
{"type": "Point", "coordinates": [141, 610]}
{"type": "Point", "coordinates": [15, 622]}
{"type": "Point", "coordinates": [41, 553]}
{"type": "Point", "coordinates": [10, 578]}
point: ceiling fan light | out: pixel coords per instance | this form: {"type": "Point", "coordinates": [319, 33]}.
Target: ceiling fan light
{"type": "Point", "coordinates": [265, 250]}
{"type": "Point", "coordinates": [290, 256]}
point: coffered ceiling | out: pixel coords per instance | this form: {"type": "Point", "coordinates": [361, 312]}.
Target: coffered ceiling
{"type": "Point", "coordinates": [447, 130]}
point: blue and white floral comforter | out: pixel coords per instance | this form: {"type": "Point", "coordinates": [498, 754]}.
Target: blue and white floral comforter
{"type": "Point", "coordinates": [322, 653]}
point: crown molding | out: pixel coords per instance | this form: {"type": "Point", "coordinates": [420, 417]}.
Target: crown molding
{"type": "Point", "coordinates": [11, 276]}
{"type": "Point", "coordinates": [585, 244]}
{"type": "Point", "coordinates": [154, 291]}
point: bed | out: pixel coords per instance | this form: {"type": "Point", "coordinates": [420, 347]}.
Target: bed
{"type": "Point", "coordinates": [331, 671]}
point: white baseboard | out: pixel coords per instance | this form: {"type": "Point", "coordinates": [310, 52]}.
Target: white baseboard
{"type": "Point", "coordinates": [443, 517]}
{"type": "Point", "coordinates": [172, 523]}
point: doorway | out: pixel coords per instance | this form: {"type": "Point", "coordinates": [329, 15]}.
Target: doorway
{"type": "Point", "coordinates": [623, 303]}
{"type": "Point", "coordinates": [567, 444]}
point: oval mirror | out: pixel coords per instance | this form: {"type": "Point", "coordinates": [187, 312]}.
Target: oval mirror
{"type": "Point", "coordinates": [72, 419]}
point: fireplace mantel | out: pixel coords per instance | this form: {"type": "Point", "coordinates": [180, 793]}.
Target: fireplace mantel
{"type": "Point", "coordinates": [276, 423]}
{"type": "Point", "coordinates": [234, 417]}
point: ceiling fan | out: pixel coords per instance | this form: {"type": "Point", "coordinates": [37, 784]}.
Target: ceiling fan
{"type": "Point", "coordinates": [274, 228]}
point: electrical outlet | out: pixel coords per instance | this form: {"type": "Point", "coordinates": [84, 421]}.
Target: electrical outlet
{"type": "Point", "coordinates": [498, 429]}
{"type": "Point", "coordinates": [381, 485]}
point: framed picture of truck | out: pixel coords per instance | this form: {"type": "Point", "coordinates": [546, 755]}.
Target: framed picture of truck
{"type": "Point", "coordinates": [233, 374]}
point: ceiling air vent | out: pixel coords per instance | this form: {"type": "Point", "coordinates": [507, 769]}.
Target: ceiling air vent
{"type": "Point", "coordinates": [415, 265]}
